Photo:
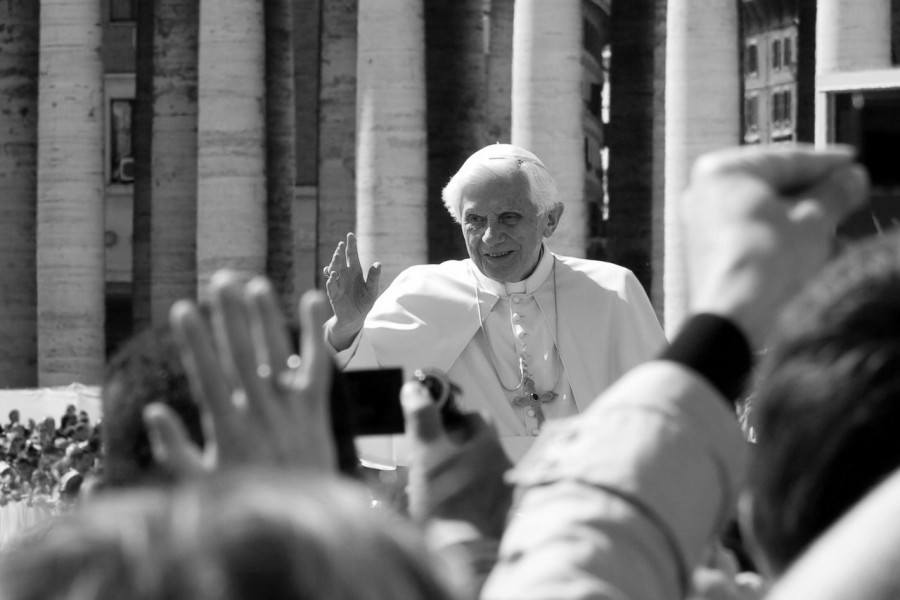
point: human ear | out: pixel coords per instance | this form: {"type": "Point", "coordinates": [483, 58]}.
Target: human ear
{"type": "Point", "coordinates": [553, 217]}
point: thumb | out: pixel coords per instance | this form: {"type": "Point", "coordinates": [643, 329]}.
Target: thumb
{"type": "Point", "coordinates": [170, 443]}
{"type": "Point", "coordinates": [835, 196]}
{"type": "Point", "coordinates": [373, 276]}
{"type": "Point", "coordinates": [423, 421]}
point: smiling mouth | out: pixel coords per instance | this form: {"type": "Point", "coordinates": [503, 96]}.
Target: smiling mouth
{"type": "Point", "coordinates": [498, 254]}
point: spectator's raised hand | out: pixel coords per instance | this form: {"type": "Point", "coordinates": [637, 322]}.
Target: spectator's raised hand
{"type": "Point", "coordinates": [261, 404]}
{"type": "Point", "coordinates": [759, 222]}
{"type": "Point", "coordinates": [459, 479]}
{"type": "Point", "coordinates": [351, 295]}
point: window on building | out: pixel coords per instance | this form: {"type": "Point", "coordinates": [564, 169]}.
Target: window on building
{"type": "Point", "coordinates": [751, 113]}
{"type": "Point", "coordinates": [592, 39]}
{"type": "Point", "coordinates": [788, 52]}
{"type": "Point", "coordinates": [751, 65]}
{"type": "Point", "coordinates": [782, 116]}
{"type": "Point", "coordinates": [751, 119]}
{"type": "Point", "coordinates": [788, 114]}
{"type": "Point", "coordinates": [122, 10]}
{"type": "Point", "coordinates": [121, 154]}
{"type": "Point", "coordinates": [776, 54]}
{"type": "Point", "coordinates": [777, 109]}
{"type": "Point", "coordinates": [595, 99]}
{"type": "Point", "coordinates": [782, 110]}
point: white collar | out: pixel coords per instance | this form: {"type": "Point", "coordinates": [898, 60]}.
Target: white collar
{"type": "Point", "coordinates": [527, 286]}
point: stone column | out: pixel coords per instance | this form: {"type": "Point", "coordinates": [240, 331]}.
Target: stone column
{"type": "Point", "coordinates": [18, 165]}
{"type": "Point", "coordinates": [174, 156]}
{"type": "Point", "coordinates": [231, 159]}
{"type": "Point", "coordinates": [498, 70]}
{"type": "Point", "coordinates": [547, 105]}
{"type": "Point", "coordinates": [281, 167]}
{"type": "Point", "coordinates": [850, 36]}
{"type": "Point", "coordinates": [165, 193]}
{"type": "Point", "coordinates": [457, 103]}
{"type": "Point", "coordinates": [335, 153]}
{"type": "Point", "coordinates": [391, 161]}
{"type": "Point", "coordinates": [70, 182]}
{"type": "Point", "coordinates": [702, 114]}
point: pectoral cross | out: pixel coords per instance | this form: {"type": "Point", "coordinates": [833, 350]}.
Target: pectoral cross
{"type": "Point", "coordinates": [534, 399]}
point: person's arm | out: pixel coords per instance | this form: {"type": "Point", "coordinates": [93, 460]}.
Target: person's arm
{"type": "Point", "coordinates": [351, 295]}
{"type": "Point", "coordinates": [457, 490]}
{"type": "Point", "coordinates": [621, 501]}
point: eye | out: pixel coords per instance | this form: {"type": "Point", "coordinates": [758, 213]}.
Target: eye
{"type": "Point", "coordinates": [510, 218]}
{"type": "Point", "coordinates": [474, 221]}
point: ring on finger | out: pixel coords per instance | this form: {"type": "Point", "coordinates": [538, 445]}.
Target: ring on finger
{"type": "Point", "coordinates": [286, 377]}
{"type": "Point", "coordinates": [239, 398]}
{"type": "Point", "coordinates": [264, 371]}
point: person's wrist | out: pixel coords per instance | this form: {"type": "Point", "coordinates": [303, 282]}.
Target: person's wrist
{"type": "Point", "coordinates": [715, 347]}
{"type": "Point", "coordinates": [742, 300]}
{"type": "Point", "coordinates": [339, 334]}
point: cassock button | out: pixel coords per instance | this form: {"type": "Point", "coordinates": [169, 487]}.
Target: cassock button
{"type": "Point", "coordinates": [530, 412]}
{"type": "Point", "coordinates": [517, 317]}
{"type": "Point", "coordinates": [516, 299]}
{"type": "Point", "coordinates": [535, 431]}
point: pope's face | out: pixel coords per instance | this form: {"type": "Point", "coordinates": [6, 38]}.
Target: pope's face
{"type": "Point", "coordinates": [502, 228]}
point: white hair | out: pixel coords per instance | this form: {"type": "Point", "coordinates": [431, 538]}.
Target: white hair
{"type": "Point", "coordinates": [501, 160]}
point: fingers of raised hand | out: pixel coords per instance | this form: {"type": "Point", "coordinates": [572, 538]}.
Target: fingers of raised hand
{"type": "Point", "coordinates": [170, 443]}
{"type": "Point", "coordinates": [834, 197]}
{"type": "Point", "coordinates": [352, 252]}
{"type": "Point", "coordinates": [268, 324]}
{"type": "Point", "coordinates": [307, 418]}
{"type": "Point", "coordinates": [785, 168]}
{"type": "Point", "coordinates": [241, 351]}
{"type": "Point", "coordinates": [337, 265]}
{"type": "Point", "coordinates": [206, 375]}
{"type": "Point", "coordinates": [315, 372]}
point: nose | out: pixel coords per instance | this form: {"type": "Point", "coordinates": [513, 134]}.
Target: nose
{"type": "Point", "coordinates": [492, 233]}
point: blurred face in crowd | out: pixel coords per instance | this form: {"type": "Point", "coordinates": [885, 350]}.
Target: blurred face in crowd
{"type": "Point", "coordinates": [81, 433]}
{"type": "Point", "coordinates": [16, 444]}
{"type": "Point", "coordinates": [83, 463]}
{"type": "Point", "coordinates": [502, 227]}
{"type": "Point", "coordinates": [25, 469]}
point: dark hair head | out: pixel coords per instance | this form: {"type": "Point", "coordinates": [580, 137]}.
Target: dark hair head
{"type": "Point", "coordinates": [828, 401]}
{"type": "Point", "coordinates": [147, 369]}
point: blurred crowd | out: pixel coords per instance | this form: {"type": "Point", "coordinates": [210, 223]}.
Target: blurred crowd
{"type": "Point", "coordinates": [45, 464]}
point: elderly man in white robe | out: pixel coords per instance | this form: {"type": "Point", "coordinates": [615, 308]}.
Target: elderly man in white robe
{"type": "Point", "coordinates": [527, 335]}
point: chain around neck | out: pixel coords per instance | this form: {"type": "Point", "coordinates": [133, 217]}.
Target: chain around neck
{"type": "Point", "coordinates": [523, 368]}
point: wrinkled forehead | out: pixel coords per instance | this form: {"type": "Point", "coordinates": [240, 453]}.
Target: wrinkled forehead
{"type": "Point", "coordinates": [491, 192]}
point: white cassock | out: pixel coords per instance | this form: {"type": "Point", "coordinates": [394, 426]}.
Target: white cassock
{"type": "Point", "coordinates": [579, 324]}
